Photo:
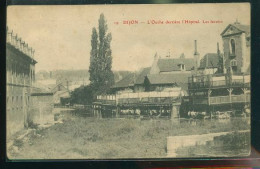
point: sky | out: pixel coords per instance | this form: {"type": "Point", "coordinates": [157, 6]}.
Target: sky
{"type": "Point", "coordinates": [61, 34]}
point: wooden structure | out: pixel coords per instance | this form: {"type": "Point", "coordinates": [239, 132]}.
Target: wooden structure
{"type": "Point", "coordinates": [159, 104]}
{"type": "Point", "coordinates": [216, 92]}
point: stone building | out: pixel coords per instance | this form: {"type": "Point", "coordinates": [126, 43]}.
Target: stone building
{"type": "Point", "coordinates": [20, 77]}
{"type": "Point", "coordinates": [229, 89]}
{"type": "Point", "coordinates": [236, 43]}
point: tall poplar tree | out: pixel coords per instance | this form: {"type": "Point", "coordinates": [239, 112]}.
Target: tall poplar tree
{"type": "Point", "coordinates": [93, 68]}
{"type": "Point", "coordinates": [101, 75]}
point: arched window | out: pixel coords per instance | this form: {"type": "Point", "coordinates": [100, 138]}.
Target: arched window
{"type": "Point", "coordinates": [233, 47]}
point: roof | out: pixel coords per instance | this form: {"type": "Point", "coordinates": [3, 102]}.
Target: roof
{"type": "Point", "coordinates": [36, 91]}
{"type": "Point", "coordinates": [210, 60]}
{"type": "Point", "coordinates": [240, 27]}
{"type": "Point", "coordinates": [171, 64]}
{"type": "Point", "coordinates": [127, 81]}
{"type": "Point", "coordinates": [141, 76]}
{"type": "Point", "coordinates": [180, 79]}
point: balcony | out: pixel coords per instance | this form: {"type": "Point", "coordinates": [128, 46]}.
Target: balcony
{"type": "Point", "coordinates": [227, 99]}
{"type": "Point", "coordinates": [141, 98]}
{"type": "Point", "coordinates": [213, 81]}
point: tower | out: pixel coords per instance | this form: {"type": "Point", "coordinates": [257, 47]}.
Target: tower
{"type": "Point", "coordinates": [155, 69]}
{"type": "Point", "coordinates": [236, 44]}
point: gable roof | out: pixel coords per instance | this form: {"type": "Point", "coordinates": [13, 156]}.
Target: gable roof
{"type": "Point", "coordinates": [210, 60]}
{"type": "Point", "coordinates": [240, 27]}
{"type": "Point", "coordinates": [172, 64]}
{"type": "Point", "coordinates": [141, 76]}
{"type": "Point", "coordinates": [133, 78]}
{"type": "Point", "coordinates": [127, 81]}
{"type": "Point", "coordinates": [180, 79]}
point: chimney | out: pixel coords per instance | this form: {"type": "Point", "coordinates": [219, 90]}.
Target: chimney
{"type": "Point", "coordinates": [196, 51]}
{"type": "Point", "coordinates": [196, 56]}
{"type": "Point", "coordinates": [218, 51]}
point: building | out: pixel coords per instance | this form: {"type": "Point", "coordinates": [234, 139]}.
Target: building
{"type": "Point", "coordinates": [211, 63]}
{"type": "Point", "coordinates": [20, 77]}
{"type": "Point", "coordinates": [237, 44]}
{"type": "Point", "coordinates": [61, 94]}
{"type": "Point", "coordinates": [155, 90]}
{"type": "Point", "coordinates": [227, 89]}
{"type": "Point", "coordinates": [165, 73]}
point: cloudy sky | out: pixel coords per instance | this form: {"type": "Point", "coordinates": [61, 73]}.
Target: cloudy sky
{"type": "Point", "coordinates": [61, 35]}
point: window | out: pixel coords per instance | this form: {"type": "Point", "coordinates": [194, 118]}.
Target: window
{"type": "Point", "coordinates": [233, 47]}
{"type": "Point", "coordinates": [233, 63]}
{"type": "Point", "coordinates": [182, 67]}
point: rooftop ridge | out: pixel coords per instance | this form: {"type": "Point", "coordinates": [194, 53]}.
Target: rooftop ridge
{"type": "Point", "coordinates": [18, 43]}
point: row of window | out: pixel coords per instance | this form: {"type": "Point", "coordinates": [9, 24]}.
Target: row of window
{"type": "Point", "coordinates": [16, 100]}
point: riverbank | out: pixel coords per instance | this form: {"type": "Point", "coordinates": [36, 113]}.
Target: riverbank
{"type": "Point", "coordinates": [92, 138]}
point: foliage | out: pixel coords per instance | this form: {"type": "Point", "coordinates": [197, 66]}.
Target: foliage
{"type": "Point", "coordinates": [101, 75]}
{"type": "Point", "coordinates": [220, 62]}
{"type": "Point", "coordinates": [82, 95]}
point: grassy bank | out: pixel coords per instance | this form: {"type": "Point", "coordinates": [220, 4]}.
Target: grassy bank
{"type": "Point", "coordinates": [91, 138]}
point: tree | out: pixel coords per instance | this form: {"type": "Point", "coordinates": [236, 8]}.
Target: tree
{"type": "Point", "coordinates": [220, 61]}
{"type": "Point", "coordinates": [93, 56]}
{"type": "Point", "coordinates": [82, 95]}
{"type": "Point", "coordinates": [101, 75]}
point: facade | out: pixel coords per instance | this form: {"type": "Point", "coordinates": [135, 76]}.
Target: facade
{"type": "Point", "coordinates": [61, 94]}
{"type": "Point", "coordinates": [211, 63]}
{"type": "Point", "coordinates": [20, 77]}
{"type": "Point", "coordinates": [165, 73]}
{"type": "Point", "coordinates": [236, 43]}
{"type": "Point", "coordinates": [228, 90]}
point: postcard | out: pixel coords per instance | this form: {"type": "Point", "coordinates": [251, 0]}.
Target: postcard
{"type": "Point", "coordinates": [128, 81]}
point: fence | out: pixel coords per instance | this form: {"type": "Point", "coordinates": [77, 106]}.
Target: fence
{"type": "Point", "coordinates": [228, 99]}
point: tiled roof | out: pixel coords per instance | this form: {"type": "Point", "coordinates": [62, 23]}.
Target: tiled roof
{"type": "Point", "coordinates": [127, 81]}
{"type": "Point", "coordinates": [172, 64]}
{"type": "Point", "coordinates": [180, 79]}
{"type": "Point", "coordinates": [210, 60]}
{"type": "Point", "coordinates": [133, 78]}
{"type": "Point", "coordinates": [242, 28]}
{"type": "Point", "coordinates": [140, 77]}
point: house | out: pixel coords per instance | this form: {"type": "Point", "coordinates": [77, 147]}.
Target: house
{"type": "Point", "coordinates": [59, 87]}
{"type": "Point", "coordinates": [210, 63]}
{"type": "Point", "coordinates": [139, 82]}
{"type": "Point", "coordinates": [61, 94]}
{"type": "Point", "coordinates": [229, 90]}
{"type": "Point", "coordinates": [236, 41]}
{"type": "Point", "coordinates": [170, 65]}
{"type": "Point", "coordinates": [166, 82]}
{"type": "Point", "coordinates": [20, 78]}
{"type": "Point", "coordinates": [126, 84]}
{"type": "Point", "coordinates": [164, 73]}
{"type": "Point", "coordinates": [61, 97]}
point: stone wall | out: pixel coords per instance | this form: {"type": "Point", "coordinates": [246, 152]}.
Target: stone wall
{"type": "Point", "coordinates": [41, 111]}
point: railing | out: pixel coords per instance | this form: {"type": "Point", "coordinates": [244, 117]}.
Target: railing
{"type": "Point", "coordinates": [200, 101]}
{"type": "Point", "coordinates": [141, 97]}
{"type": "Point", "coordinates": [218, 81]}
{"type": "Point", "coordinates": [227, 99]}
{"type": "Point", "coordinates": [219, 100]}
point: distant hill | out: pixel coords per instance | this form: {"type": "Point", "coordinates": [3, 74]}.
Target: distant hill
{"type": "Point", "coordinates": [74, 75]}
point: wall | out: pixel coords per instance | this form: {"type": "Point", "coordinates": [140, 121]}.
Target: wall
{"type": "Point", "coordinates": [239, 47]}
{"type": "Point", "coordinates": [18, 88]}
{"type": "Point", "coordinates": [17, 105]}
{"type": "Point", "coordinates": [41, 111]}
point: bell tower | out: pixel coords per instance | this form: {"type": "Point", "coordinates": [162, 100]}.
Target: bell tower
{"type": "Point", "coordinates": [236, 44]}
